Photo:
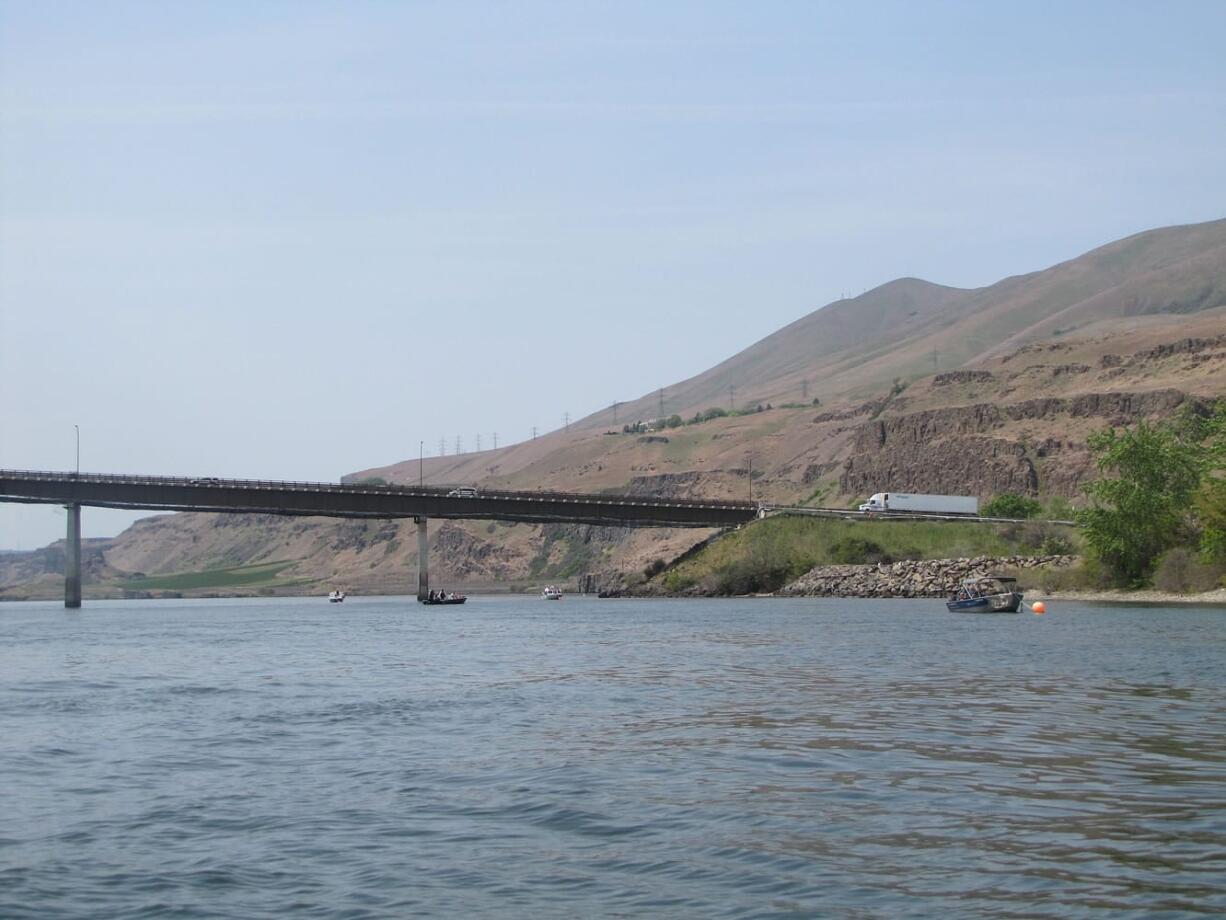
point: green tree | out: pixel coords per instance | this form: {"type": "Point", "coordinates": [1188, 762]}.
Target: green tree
{"type": "Point", "coordinates": [1141, 504]}
{"type": "Point", "coordinates": [1012, 505]}
{"type": "Point", "coordinates": [1210, 500]}
{"type": "Point", "coordinates": [1210, 505]}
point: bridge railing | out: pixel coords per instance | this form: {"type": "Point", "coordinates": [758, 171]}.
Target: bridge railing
{"type": "Point", "coordinates": [373, 488]}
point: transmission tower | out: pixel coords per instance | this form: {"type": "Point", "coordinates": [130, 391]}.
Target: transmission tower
{"type": "Point", "coordinates": [442, 447]}
{"type": "Point", "coordinates": [566, 420]}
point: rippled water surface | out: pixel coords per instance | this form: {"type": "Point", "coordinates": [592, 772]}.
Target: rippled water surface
{"type": "Point", "coordinates": [269, 758]}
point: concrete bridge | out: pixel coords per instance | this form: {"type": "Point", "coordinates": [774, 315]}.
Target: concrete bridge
{"type": "Point", "coordinates": [329, 499]}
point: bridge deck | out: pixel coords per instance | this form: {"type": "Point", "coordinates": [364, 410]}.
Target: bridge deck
{"type": "Point", "coordinates": [165, 493]}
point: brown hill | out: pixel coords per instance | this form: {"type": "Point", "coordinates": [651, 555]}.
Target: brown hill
{"type": "Point", "coordinates": [909, 328]}
{"type": "Point", "coordinates": [1025, 369]}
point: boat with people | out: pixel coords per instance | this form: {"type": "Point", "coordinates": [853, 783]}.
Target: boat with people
{"type": "Point", "coordinates": [336, 597]}
{"type": "Point", "coordinates": [986, 594]}
{"type": "Point", "coordinates": [552, 593]}
{"type": "Point", "coordinates": [443, 597]}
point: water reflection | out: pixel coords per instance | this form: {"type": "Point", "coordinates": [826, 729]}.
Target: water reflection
{"type": "Point", "coordinates": [612, 759]}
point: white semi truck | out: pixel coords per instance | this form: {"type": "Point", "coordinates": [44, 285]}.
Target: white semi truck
{"type": "Point", "coordinates": [922, 504]}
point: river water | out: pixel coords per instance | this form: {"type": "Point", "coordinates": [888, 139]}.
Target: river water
{"type": "Point", "coordinates": [620, 758]}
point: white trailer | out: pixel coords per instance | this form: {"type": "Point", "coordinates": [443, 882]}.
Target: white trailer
{"type": "Point", "coordinates": [922, 504]}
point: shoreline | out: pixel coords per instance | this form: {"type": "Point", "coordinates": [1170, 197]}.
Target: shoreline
{"type": "Point", "coordinates": [1215, 598]}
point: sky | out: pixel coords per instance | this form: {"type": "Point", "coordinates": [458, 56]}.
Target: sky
{"type": "Point", "coordinates": [293, 240]}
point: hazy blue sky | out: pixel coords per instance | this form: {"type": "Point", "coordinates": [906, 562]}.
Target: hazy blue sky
{"type": "Point", "coordinates": [293, 239]}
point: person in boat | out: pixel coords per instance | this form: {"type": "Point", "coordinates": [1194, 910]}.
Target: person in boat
{"type": "Point", "coordinates": [431, 594]}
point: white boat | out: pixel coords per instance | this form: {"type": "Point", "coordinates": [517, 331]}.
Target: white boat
{"type": "Point", "coordinates": [335, 597]}
{"type": "Point", "coordinates": [552, 593]}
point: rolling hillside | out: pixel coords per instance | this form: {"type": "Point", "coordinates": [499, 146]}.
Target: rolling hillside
{"type": "Point", "coordinates": [921, 387]}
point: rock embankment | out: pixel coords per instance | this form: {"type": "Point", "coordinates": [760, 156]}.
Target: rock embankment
{"type": "Point", "coordinates": [909, 578]}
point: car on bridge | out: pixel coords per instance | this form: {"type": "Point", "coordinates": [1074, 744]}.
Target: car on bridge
{"type": "Point", "coordinates": [463, 492]}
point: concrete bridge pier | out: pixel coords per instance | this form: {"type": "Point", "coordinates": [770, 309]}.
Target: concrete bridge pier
{"type": "Point", "coordinates": [72, 560]}
{"type": "Point", "coordinates": [423, 559]}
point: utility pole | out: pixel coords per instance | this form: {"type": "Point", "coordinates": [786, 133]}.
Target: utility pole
{"type": "Point", "coordinates": [495, 440]}
{"type": "Point", "coordinates": [478, 442]}
{"type": "Point", "coordinates": [732, 397]}
{"type": "Point", "coordinates": [749, 464]}
{"type": "Point", "coordinates": [566, 420]}
{"type": "Point", "coordinates": [458, 442]}
{"type": "Point", "coordinates": [615, 405]}
{"type": "Point", "coordinates": [661, 402]}
{"type": "Point", "coordinates": [442, 447]}
{"type": "Point", "coordinates": [534, 432]}
{"type": "Point", "coordinates": [804, 391]}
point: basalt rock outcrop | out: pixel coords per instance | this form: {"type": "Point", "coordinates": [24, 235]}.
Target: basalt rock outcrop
{"type": "Point", "coordinates": [976, 449]}
{"type": "Point", "coordinates": [959, 465]}
{"type": "Point", "coordinates": [472, 558]}
{"type": "Point", "coordinates": [909, 578]}
{"type": "Point", "coordinates": [666, 485]}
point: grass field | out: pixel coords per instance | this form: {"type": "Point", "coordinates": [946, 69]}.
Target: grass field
{"type": "Point", "coordinates": [243, 576]}
{"type": "Point", "coordinates": [767, 554]}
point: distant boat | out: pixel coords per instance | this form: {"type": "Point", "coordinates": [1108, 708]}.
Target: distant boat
{"type": "Point", "coordinates": [335, 597]}
{"type": "Point", "coordinates": [986, 594]}
{"type": "Point", "coordinates": [552, 593]}
{"type": "Point", "coordinates": [441, 598]}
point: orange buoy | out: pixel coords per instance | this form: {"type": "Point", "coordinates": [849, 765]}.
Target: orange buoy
{"type": "Point", "coordinates": [1039, 608]}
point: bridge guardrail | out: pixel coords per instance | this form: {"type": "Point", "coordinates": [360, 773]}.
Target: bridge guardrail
{"type": "Point", "coordinates": [371, 488]}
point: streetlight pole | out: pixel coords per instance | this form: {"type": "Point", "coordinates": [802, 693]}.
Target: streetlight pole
{"type": "Point", "coordinates": [421, 453]}
{"type": "Point", "coordinates": [78, 428]}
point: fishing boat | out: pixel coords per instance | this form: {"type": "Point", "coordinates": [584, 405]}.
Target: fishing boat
{"type": "Point", "coordinates": [441, 597]}
{"type": "Point", "coordinates": [552, 593]}
{"type": "Point", "coordinates": [986, 594]}
{"type": "Point", "coordinates": [335, 597]}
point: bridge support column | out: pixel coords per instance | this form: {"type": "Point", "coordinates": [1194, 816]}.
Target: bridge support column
{"type": "Point", "coordinates": [72, 558]}
{"type": "Point", "coordinates": [423, 559]}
